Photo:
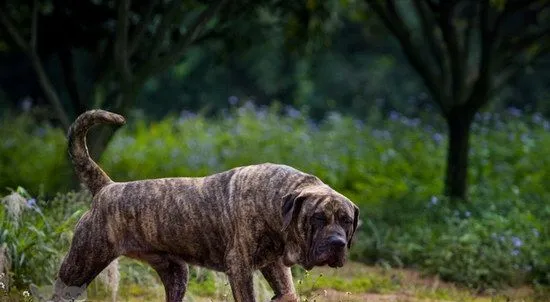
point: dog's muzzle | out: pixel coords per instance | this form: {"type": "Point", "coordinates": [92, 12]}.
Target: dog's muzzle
{"type": "Point", "coordinates": [331, 252]}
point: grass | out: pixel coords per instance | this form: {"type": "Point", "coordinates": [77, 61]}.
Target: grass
{"type": "Point", "coordinates": [353, 282]}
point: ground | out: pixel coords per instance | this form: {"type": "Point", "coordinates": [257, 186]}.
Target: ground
{"type": "Point", "coordinates": [353, 282]}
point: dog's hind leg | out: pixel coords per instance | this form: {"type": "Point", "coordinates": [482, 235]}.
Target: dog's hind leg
{"type": "Point", "coordinates": [173, 273]}
{"type": "Point", "coordinates": [89, 254]}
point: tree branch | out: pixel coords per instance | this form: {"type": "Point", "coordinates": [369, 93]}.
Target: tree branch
{"type": "Point", "coordinates": [434, 6]}
{"type": "Point", "coordinates": [513, 7]}
{"type": "Point", "coordinates": [43, 79]}
{"type": "Point", "coordinates": [13, 32]}
{"type": "Point", "coordinates": [155, 66]}
{"type": "Point", "coordinates": [395, 25]}
{"type": "Point", "coordinates": [510, 8]}
{"type": "Point", "coordinates": [468, 36]}
{"type": "Point", "coordinates": [49, 91]}
{"type": "Point", "coordinates": [104, 59]}
{"type": "Point", "coordinates": [480, 92]}
{"type": "Point", "coordinates": [525, 41]}
{"type": "Point", "coordinates": [163, 29]}
{"type": "Point", "coordinates": [450, 36]}
{"type": "Point", "coordinates": [141, 28]}
{"type": "Point", "coordinates": [504, 78]}
{"type": "Point", "coordinates": [34, 26]}
{"type": "Point", "coordinates": [211, 35]}
{"type": "Point", "coordinates": [121, 42]}
{"type": "Point", "coordinates": [428, 27]}
{"type": "Point", "coordinates": [514, 69]}
{"type": "Point", "coordinates": [67, 65]}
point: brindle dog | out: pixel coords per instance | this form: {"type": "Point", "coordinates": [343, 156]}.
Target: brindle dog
{"type": "Point", "coordinates": [265, 217]}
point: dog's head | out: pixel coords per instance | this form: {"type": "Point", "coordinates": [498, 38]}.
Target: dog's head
{"type": "Point", "coordinates": [319, 223]}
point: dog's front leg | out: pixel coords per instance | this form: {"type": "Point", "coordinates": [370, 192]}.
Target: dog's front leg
{"type": "Point", "coordinates": [239, 271]}
{"type": "Point", "coordinates": [279, 278]}
{"type": "Point", "coordinates": [242, 285]}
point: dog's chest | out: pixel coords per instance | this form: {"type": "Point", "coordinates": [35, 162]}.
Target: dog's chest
{"type": "Point", "coordinates": [269, 248]}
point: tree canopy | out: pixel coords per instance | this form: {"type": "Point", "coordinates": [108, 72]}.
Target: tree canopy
{"type": "Point", "coordinates": [465, 52]}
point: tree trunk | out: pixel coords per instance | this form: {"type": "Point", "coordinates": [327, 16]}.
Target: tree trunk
{"type": "Point", "coordinates": [100, 138]}
{"type": "Point", "coordinates": [66, 58]}
{"type": "Point", "coordinates": [456, 181]}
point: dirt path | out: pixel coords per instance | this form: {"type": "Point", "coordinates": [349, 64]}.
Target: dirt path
{"type": "Point", "coordinates": [330, 295]}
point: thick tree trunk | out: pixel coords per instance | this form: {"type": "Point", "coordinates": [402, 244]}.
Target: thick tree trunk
{"type": "Point", "coordinates": [456, 181]}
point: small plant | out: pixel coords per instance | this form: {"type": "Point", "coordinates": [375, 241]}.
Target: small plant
{"type": "Point", "coordinates": [32, 241]}
{"type": "Point", "coordinates": [4, 286]}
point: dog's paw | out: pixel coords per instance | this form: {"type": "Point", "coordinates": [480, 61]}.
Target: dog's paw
{"type": "Point", "coordinates": [286, 298]}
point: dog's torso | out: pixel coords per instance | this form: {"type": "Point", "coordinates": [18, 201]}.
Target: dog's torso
{"type": "Point", "coordinates": [200, 219]}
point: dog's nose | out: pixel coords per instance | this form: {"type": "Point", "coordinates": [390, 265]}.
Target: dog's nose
{"type": "Point", "coordinates": [337, 241]}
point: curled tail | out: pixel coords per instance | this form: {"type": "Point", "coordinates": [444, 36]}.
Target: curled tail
{"type": "Point", "coordinates": [87, 170]}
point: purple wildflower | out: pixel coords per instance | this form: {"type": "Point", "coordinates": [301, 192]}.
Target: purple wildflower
{"type": "Point", "coordinates": [437, 137]}
{"type": "Point", "coordinates": [537, 118]}
{"type": "Point", "coordinates": [394, 115]}
{"type": "Point", "coordinates": [233, 100]}
{"type": "Point", "coordinates": [292, 112]}
{"type": "Point", "coordinates": [516, 241]}
{"type": "Point", "coordinates": [359, 125]}
{"type": "Point", "coordinates": [31, 203]}
{"type": "Point", "coordinates": [26, 104]}
{"type": "Point", "coordinates": [185, 115]}
{"type": "Point", "coordinates": [381, 134]}
{"type": "Point", "coordinates": [514, 111]}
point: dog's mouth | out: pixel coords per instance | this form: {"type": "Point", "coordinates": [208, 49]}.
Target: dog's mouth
{"type": "Point", "coordinates": [332, 260]}
{"type": "Point", "coordinates": [331, 256]}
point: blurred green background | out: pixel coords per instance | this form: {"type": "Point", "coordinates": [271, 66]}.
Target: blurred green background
{"type": "Point", "coordinates": [432, 116]}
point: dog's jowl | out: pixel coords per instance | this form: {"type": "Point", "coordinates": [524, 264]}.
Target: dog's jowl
{"type": "Point", "coordinates": [263, 217]}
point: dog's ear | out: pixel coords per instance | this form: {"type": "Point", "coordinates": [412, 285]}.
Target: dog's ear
{"type": "Point", "coordinates": [292, 204]}
{"type": "Point", "coordinates": [355, 223]}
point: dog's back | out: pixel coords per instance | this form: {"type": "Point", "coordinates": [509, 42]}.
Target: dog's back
{"type": "Point", "coordinates": [194, 217]}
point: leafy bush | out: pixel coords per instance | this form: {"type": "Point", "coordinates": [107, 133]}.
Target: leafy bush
{"type": "Point", "coordinates": [33, 156]}
{"type": "Point", "coordinates": [392, 167]}
{"type": "Point", "coordinates": [479, 246]}
{"type": "Point", "coordinates": [34, 236]}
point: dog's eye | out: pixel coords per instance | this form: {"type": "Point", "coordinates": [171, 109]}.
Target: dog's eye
{"type": "Point", "coordinates": [319, 218]}
{"type": "Point", "coordinates": [347, 220]}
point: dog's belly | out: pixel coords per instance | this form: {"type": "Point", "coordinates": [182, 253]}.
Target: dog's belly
{"type": "Point", "coordinates": [160, 216]}
{"type": "Point", "coordinates": [204, 247]}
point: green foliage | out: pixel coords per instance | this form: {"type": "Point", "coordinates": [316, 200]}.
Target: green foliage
{"type": "Point", "coordinates": [391, 167]}
{"type": "Point", "coordinates": [193, 145]}
{"type": "Point", "coordinates": [33, 155]}
{"type": "Point", "coordinates": [34, 235]}
{"type": "Point", "coordinates": [481, 250]}
{"type": "Point", "coordinates": [309, 282]}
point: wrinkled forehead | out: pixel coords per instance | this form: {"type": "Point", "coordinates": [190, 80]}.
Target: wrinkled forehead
{"type": "Point", "coordinates": [325, 199]}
